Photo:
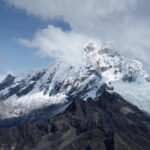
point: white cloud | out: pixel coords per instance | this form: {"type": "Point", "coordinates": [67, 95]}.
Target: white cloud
{"type": "Point", "coordinates": [136, 41]}
{"type": "Point", "coordinates": [73, 10]}
{"type": "Point", "coordinates": [54, 42]}
{"type": "Point", "coordinates": [123, 22]}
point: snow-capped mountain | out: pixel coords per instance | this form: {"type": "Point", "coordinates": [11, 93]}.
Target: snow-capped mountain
{"type": "Point", "coordinates": [59, 82]}
{"type": "Point", "coordinates": [126, 76]}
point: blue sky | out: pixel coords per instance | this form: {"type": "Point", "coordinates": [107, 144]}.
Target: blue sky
{"type": "Point", "coordinates": [15, 23]}
{"type": "Point", "coordinates": [34, 32]}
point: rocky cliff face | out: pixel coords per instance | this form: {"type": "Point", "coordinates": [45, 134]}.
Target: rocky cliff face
{"type": "Point", "coordinates": [107, 122]}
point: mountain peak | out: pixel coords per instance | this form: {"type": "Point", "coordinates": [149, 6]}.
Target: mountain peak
{"type": "Point", "coordinates": [100, 49]}
{"type": "Point", "coordinates": [112, 65]}
{"type": "Point", "coordinates": [59, 82]}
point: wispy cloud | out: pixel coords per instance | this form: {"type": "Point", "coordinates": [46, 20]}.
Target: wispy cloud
{"type": "Point", "coordinates": [124, 22]}
{"type": "Point", "coordinates": [53, 42]}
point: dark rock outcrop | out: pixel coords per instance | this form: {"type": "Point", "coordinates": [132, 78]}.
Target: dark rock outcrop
{"type": "Point", "coordinates": [7, 82]}
{"type": "Point", "coordinates": [106, 123]}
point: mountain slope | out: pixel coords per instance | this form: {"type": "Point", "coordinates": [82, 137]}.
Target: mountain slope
{"type": "Point", "coordinates": [59, 82]}
{"type": "Point", "coordinates": [108, 122]}
{"type": "Point", "coordinates": [126, 76]}
{"type": "Point", "coordinates": [52, 85]}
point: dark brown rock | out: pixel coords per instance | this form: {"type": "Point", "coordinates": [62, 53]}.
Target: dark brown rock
{"type": "Point", "coordinates": [106, 123]}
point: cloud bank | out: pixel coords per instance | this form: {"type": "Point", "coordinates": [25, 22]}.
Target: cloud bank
{"type": "Point", "coordinates": [53, 42]}
{"type": "Point", "coordinates": [123, 22]}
